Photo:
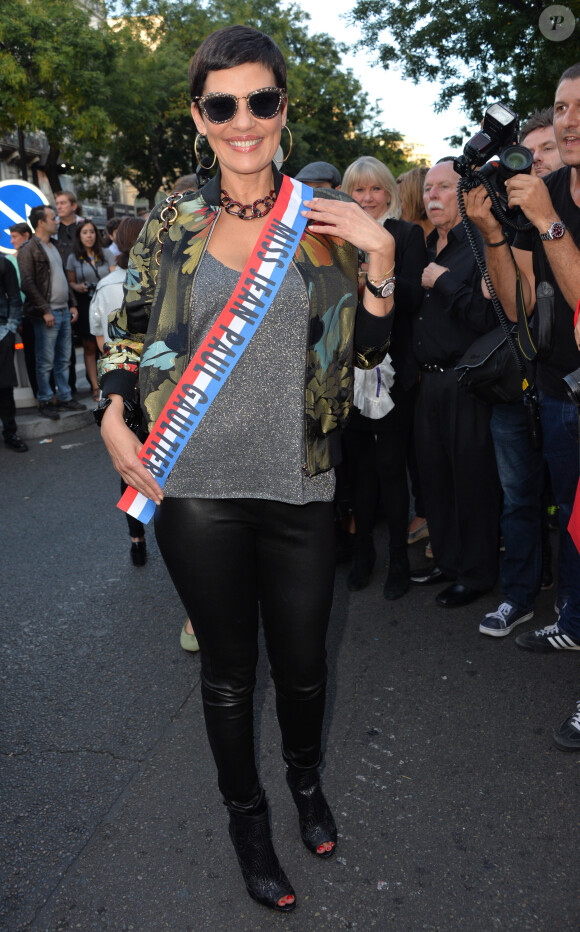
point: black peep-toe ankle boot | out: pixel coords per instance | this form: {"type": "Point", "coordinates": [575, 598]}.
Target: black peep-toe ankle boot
{"type": "Point", "coordinates": [265, 880]}
{"type": "Point", "coordinates": [317, 825]}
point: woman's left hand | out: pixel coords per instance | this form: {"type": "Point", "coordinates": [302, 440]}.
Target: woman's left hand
{"type": "Point", "coordinates": [349, 221]}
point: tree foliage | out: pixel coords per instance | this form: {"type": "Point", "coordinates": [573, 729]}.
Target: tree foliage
{"type": "Point", "coordinates": [480, 50]}
{"type": "Point", "coordinates": [330, 116]}
{"type": "Point", "coordinates": [53, 78]}
{"type": "Point", "coordinates": [113, 101]}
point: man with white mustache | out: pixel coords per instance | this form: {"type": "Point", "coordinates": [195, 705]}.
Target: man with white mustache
{"type": "Point", "coordinates": [452, 434]}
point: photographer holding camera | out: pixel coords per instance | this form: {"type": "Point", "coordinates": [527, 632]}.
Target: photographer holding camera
{"type": "Point", "coordinates": [548, 255]}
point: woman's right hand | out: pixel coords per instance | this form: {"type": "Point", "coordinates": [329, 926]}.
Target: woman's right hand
{"type": "Point", "coordinates": [124, 447]}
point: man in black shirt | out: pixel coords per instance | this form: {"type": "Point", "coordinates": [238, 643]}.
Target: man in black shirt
{"type": "Point", "coordinates": [453, 439]}
{"type": "Point", "coordinates": [552, 253]}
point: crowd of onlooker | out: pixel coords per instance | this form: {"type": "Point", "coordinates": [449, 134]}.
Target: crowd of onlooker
{"type": "Point", "coordinates": [462, 477]}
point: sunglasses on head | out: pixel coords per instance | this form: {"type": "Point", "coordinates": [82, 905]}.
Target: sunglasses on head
{"type": "Point", "coordinates": [221, 108]}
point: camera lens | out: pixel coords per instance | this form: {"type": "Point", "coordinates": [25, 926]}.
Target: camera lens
{"type": "Point", "coordinates": [572, 381]}
{"type": "Point", "coordinates": [517, 160]}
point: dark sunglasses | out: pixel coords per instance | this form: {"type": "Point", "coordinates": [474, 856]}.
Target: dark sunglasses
{"type": "Point", "coordinates": [263, 104]}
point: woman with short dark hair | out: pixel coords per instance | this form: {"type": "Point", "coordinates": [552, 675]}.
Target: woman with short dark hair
{"type": "Point", "coordinates": [245, 520]}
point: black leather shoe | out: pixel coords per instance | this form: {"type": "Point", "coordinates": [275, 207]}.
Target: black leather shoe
{"type": "Point", "coordinates": [15, 443]}
{"type": "Point", "coordinates": [428, 576]}
{"type": "Point", "coordinates": [362, 566]}
{"type": "Point", "coordinates": [457, 595]}
{"type": "Point", "coordinates": [139, 552]}
{"type": "Point", "coordinates": [397, 581]}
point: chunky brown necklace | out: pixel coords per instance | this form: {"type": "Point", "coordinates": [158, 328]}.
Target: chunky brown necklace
{"type": "Point", "coordinates": [248, 211]}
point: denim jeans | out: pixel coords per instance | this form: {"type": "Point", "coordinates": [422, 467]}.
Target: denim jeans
{"type": "Point", "coordinates": [53, 346]}
{"type": "Point", "coordinates": [521, 473]}
{"type": "Point", "coordinates": [562, 451]}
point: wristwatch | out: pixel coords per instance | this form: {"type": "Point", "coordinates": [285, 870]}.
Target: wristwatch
{"type": "Point", "coordinates": [383, 289]}
{"type": "Point", "coordinates": [556, 231]}
{"type": "Point", "coordinates": [131, 412]}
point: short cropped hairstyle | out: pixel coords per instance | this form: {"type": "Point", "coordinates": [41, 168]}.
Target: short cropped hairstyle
{"type": "Point", "coordinates": [570, 74]}
{"type": "Point", "coordinates": [368, 170]}
{"type": "Point", "coordinates": [71, 197]}
{"type": "Point", "coordinates": [410, 186]}
{"type": "Point", "coordinates": [232, 46]}
{"type": "Point", "coordinates": [37, 214]}
{"type": "Point", "coordinates": [21, 228]}
{"type": "Point", "coordinates": [112, 224]}
{"type": "Point", "coordinates": [540, 119]}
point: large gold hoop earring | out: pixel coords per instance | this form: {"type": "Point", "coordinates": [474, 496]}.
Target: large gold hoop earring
{"type": "Point", "coordinates": [290, 149]}
{"type": "Point", "coordinates": [199, 162]}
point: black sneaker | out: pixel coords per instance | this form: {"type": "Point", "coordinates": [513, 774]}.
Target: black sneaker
{"type": "Point", "coordinates": [47, 409]}
{"type": "Point", "coordinates": [70, 405]}
{"type": "Point", "coordinates": [568, 735]}
{"type": "Point", "coordinates": [15, 443]}
{"type": "Point", "coordinates": [547, 640]}
{"type": "Point", "coordinates": [499, 623]}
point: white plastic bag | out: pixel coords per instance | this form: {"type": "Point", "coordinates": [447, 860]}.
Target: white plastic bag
{"type": "Point", "coordinates": [372, 387]}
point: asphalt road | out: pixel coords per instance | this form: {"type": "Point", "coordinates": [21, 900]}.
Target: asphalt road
{"type": "Point", "coordinates": [456, 812]}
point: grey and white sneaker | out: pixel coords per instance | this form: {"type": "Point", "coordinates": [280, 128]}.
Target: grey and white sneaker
{"type": "Point", "coordinates": [503, 620]}
{"type": "Point", "coordinates": [547, 640]}
{"type": "Point", "coordinates": [567, 737]}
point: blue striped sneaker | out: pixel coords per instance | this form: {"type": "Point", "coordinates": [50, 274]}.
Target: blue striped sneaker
{"type": "Point", "coordinates": [504, 620]}
{"type": "Point", "coordinates": [547, 640]}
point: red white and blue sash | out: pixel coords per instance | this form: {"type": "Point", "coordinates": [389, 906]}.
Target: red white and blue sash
{"type": "Point", "coordinates": [225, 343]}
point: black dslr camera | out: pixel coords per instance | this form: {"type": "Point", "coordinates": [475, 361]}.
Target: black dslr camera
{"type": "Point", "coordinates": [497, 137]}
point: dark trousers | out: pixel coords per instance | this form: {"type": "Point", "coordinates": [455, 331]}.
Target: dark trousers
{"type": "Point", "coordinates": [228, 559]}
{"type": "Point", "coordinates": [378, 466]}
{"type": "Point", "coordinates": [521, 472]}
{"type": "Point", "coordinates": [7, 412]}
{"type": "Point", "coordinates": [459, 479]}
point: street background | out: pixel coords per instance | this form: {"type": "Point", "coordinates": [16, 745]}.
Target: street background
{"type": "Point", "coordinates": [455, 809]}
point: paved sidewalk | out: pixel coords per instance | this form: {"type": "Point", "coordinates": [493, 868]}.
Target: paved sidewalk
{"type": "Point", "coordinates": [456, 811]}
{"type": "Point", "coordinates": [31, 426]}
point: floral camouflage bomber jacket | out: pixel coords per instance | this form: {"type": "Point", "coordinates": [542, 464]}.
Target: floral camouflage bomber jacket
{"type": "Point", "coordinates": [148, 336]}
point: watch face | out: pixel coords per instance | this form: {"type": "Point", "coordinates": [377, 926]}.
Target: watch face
{"type": "Point", "coordinates": [556, 231]}
{"type": "Point", "coordinates": [388, 289]}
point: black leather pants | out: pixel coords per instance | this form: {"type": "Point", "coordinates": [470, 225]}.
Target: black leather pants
{"type": "Point", "coordinates": [229, 560]}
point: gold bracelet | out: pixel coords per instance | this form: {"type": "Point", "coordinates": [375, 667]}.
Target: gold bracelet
{"type": "Point", "coordinates": [376, 281]}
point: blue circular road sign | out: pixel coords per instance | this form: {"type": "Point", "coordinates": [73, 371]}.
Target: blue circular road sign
{"type": "Point", "coordinates": [17, 198]}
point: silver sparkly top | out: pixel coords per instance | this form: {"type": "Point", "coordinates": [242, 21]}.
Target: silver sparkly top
{"type": "Point", "coordinates": [250, 444]}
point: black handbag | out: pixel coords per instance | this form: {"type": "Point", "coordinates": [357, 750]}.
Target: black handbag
{"type": "Point", "coordinates": [488, 370]}
{"type": "Point", "coordinates": [500, 365]}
